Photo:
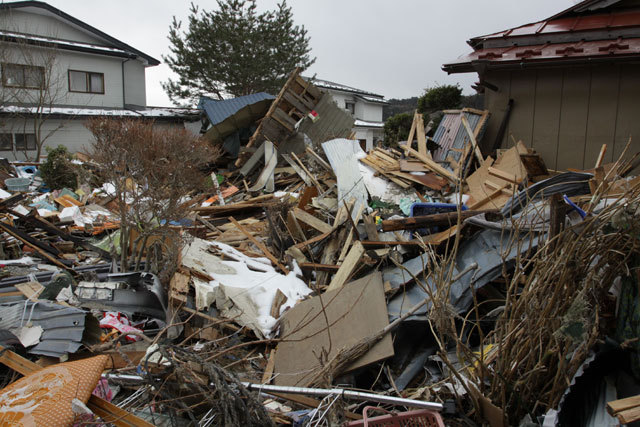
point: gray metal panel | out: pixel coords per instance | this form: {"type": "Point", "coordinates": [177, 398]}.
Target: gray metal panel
{"type": "Point", "coordinates": [218, 111]}
{"type": "Point", "coordinates": [341, 154]}
{"type": "Point", "coordinates": [451, 134]}
{"type": "Point", "coordinates": [333, 122]}
{"type": "Point", "coordinates": [63, 327]}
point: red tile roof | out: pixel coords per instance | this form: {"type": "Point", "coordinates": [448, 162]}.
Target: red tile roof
{"type": "Point", "coordinates": [579, 38]}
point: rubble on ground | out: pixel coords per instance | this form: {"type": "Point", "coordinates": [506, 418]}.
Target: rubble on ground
{"type": "Point", "coordinates": [316, 283]}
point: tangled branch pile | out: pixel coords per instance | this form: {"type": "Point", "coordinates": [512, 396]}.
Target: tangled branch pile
{"type": "Point", "coordinates": [554, 308]}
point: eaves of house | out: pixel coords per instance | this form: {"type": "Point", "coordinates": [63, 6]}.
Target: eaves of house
{"type": "Point", "coordinates": [582, 34]}
{"type": "Point", "coordinates": [38, 7]}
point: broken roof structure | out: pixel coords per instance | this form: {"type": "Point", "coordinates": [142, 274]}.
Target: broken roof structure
{"type": "Point", "coordinates": [564, 85]}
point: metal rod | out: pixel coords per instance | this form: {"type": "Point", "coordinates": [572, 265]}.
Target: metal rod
{"type": "Point", "coordinates": [347, 394]}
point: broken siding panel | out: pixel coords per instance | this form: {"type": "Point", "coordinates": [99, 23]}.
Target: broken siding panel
{"type": "Point", "coordinates": [445, 135]}
{"type": "Point", "coordinates": [451, 134]}
{"type": "Point", "coordinates": [573, 118]}
{"type": "Point", "coordinates": [628, 121]}
{"type": "Point", "coordinates": [547, 115]}
{"type": "Point", "coordinates": [523, 89]}
{"type": "Point", "coordinates": [603, 107]}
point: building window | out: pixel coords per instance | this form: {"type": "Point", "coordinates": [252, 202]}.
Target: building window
{"type": "Point", "coordinates": [23, 142]}
{"type": "Point", "coordinates": [6, 142]}
{"type": "Point", "coordinates": [86, 82]}
{"type": "Point", "coordinates": [350, 106]}
{"type": "Point", "coordinates": [22, 76]}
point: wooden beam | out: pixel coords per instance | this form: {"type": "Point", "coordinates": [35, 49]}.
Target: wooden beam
{"type": "Point", "coordinates": [506, 176]}
{"type": "Point", "coordinates": [472, 138]}
{"type": "Point", "coordinates": [423, 221]}
{"type": "Point", "coordinates": [349, 265]}
{"type": "Point", "coordinates": [312, 221]}
{"type": "Point", "coordinates": [412, 131]}
{"type": "Point", "coordinates": [422, 137]}
{"type": "Point", "coordinates": [603, 150]}
{"type": "Point", "coordinates": [619, 405]}
{"type": "Point", "coordinates": [431, 164]}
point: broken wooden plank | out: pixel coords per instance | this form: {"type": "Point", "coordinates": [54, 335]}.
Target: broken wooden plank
{"type": "Point", "coordinates": [433, 165]}
{"type": "Point", "coordinates": [472, 138]}
{"type": "Point", "coordinates": [298, 169]}
{"type": "Point", "coordinates": [424, 221]}
{"type": "Point", "coordinates": [619, 405]}
{"type": "Point", "coordinates": [311, 221]}
{"type": "Point", "coordinates": [506, 176]}
{"type": "Point", "coordinates": [348, 266]}
{"type": "Point", "coordinates": [600, 159]}
{"type": "Point", "coordinates": [422, 137]}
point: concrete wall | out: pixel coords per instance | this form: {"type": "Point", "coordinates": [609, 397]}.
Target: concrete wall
{"type": "Point", "coordinates": [134, 84]}
{"type": "Point", "coordinates": [368, 111]}
{"type": "Point", "coordinates": [566, 114]}
{"type": "Point", "coordinates": [363, 110]}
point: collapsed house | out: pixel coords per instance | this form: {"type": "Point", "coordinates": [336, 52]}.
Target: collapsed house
{"type": "Point", "coordinates": [314, 283]}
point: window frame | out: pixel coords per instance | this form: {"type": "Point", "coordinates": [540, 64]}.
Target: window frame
{"type": "Point", "coordinates": [87, 77]}
{"type": "Point", "coordinates": [26, 141]}
{"type": "Point", "coordinates": [23, 68]}
{"type": "Point", "coordinates": [350, 106]}
{"type": "Point", "coordinates": [14, 142]}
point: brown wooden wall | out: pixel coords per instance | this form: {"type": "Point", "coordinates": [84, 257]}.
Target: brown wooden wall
{"type": "Point", "coordinates": [566, 114]}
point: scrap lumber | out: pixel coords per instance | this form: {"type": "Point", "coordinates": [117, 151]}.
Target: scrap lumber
{"type": "Point", "coordinates": [50, 228]}
{"type": "Point", "coordinates": [432, 165]}
{"type": "Point", "coordinates": [109, 412]}
{"type": "Point", "coordinates": [423, 221]}
{"type": "Point", "coordinates": [627, 410]}
{"type": "Point", "coordinates": [472, 138]}
{"type": "Point", "coordinates": [506, 176]}
{"type": "Point", "coordinates": [43, 249]}
{"type": "Point", "coordinates": [311, 221]}
{"type": "Point", "coordinates": [600, 159]}
{"type": "Point", "coordinates": [260, 246]}
{"type": "Point", "coordinates": [422, 137]}
{"type": "Point", "coordinates": [347, 268]}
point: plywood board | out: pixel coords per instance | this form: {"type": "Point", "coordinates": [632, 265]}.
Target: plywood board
{"type": "Point", "coordinates": [355, 311]}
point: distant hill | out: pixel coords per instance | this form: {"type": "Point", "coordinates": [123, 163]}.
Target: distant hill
{"type": "Point", "coordinates": [397, 106]}
{"type": "Point", "coordinates": [408, 105]}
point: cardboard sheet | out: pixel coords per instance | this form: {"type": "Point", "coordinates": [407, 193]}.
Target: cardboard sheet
{"type": "Point", "coordinates": [355, 311]}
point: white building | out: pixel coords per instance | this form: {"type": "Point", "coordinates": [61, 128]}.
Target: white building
{"type": "Point", "coordinates": [57, 71]}
{"type": "Point", "coordinates": [366, 108]}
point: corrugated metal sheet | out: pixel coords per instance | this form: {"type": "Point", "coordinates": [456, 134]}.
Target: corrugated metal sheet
{"type": "Point", "coordinates": [333, 122]}
{"type": "Point", "coordinates": [451, 134]}
{"type": "Point", "coordinates": [341, 154]}
{"type": "Point", "coordinates": [63, 327]}
{"type": "Point", "coordinates": [219, 111]}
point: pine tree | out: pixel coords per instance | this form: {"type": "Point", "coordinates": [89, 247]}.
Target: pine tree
{"type": "Point", "coordinates": [234, 51]}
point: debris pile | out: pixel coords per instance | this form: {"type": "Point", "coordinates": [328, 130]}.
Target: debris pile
{"type": "Point", "coordinates": [306, 282]}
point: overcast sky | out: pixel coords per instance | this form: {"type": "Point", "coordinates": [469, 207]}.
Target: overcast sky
{"type": "Point", "coordinates": [391, 47]}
